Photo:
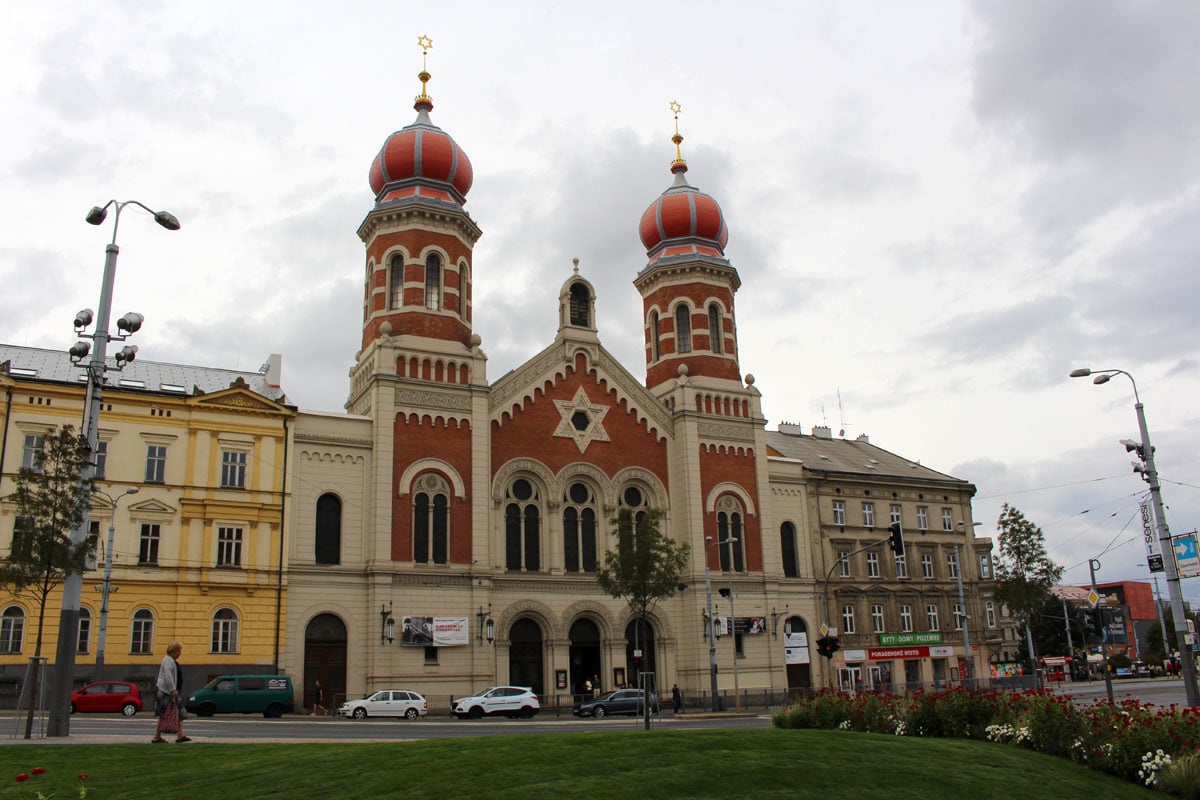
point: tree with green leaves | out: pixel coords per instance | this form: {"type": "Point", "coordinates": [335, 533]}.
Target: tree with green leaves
{"type": "Point", "coordinates": [645, 566]}
{"type": "Point", "coordinates": [50, 501]}
{"type": "Point", "coordinates": [1024, 570]}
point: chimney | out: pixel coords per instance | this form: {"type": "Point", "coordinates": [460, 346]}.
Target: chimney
{"type": "Point", "coordinates": [791, 428]}
{"type": "Point", "coordinates": [862, 437]}
{"type": "Point", "coordinates": [822, 432]}
{"type": "Point", "coordinates": [274, 370]}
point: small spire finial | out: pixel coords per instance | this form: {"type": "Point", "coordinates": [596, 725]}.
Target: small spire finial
{"type": "Point", "coordinates": [575, 261]}
{"type": "Point", "coordinates": [426, 44]}
{"type": "Point", "coordinates": [678, 164]}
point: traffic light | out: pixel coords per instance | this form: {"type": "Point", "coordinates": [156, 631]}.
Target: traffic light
{"type": "Point", "coordinates": [896, 538]}
{"type": "Point", "coordinates": [827, 646]}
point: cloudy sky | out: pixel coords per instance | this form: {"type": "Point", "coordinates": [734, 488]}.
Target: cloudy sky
{"type": "Point", "coordinates": [937, 209]}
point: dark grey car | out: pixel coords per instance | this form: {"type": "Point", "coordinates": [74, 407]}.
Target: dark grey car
{"type": "Point", "coordinates": [619, 701]}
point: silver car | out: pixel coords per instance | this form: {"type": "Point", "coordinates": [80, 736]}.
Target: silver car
{"type": "Point", "coordinates": [508, 701]}
{"type": "Point", "coordinates": [386, 703]}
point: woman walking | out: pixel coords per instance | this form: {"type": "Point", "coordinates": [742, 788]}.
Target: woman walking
{"type": "Point", "coordinates": [167, 700]}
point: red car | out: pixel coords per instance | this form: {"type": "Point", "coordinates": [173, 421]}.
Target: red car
{"type": "Point", "coordinates": [107, 696]}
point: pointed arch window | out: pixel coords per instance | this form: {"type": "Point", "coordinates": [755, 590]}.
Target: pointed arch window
{"type": "Point", "coordinates": [656, 335]}
{"type": "Point", "coordinates": [328, 543]}
{"type": "Point", "coordinates": [431, 519]}
{"type": "Point", "coordinates": [579, 528]}
{"type": "Point", "coordinates": [433, 282]}
{"type": "Point", "coordinates": [522, 527]}
{"type": "Point", "coordinates": [715, 334]}
{"type": "Point", "coordinates": [683, 329]}
{"type": "Point", "coordinates": [730, 516]}
{"type": "Point", "coordinates": [396, 282]}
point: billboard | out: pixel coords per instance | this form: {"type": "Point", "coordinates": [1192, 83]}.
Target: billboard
{"type": "Point", "coordinates": [434, 631]}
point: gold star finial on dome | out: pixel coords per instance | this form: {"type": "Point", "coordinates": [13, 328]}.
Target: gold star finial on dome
{"type": "Point", "coordinates": [677, 139]}
{"type": "Point", "coordinates": [426, 44]}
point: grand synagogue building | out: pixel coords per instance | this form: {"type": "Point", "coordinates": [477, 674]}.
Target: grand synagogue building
{"type": "Point", "coordinates": [444, 533]}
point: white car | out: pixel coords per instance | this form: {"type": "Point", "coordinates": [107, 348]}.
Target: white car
{"type": "Point", "coordinates": [510, 701]}
{"type": "Point", "coordinates": [386, 703]}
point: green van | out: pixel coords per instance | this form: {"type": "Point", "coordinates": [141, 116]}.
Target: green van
{"type": "Point", "coordinates": [270, 695]}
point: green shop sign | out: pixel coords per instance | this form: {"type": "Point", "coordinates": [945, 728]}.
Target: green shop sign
{"type": "Point", "coordinates": [933, 637]}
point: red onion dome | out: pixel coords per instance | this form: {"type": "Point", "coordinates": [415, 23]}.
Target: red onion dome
{"type": "Point", "coordinates": [684, 218]}
{"type": "Point", "coordinates": [421, 160]}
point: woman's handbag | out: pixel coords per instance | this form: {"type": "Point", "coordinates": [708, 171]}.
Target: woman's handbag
{"type": "Point", "coordinates": [170, 719]}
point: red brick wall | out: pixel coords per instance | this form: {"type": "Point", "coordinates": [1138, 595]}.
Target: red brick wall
{"type": "Point", "coordinates": [701, 361]}
{"type": "Point", "coordinates": [736, 466]}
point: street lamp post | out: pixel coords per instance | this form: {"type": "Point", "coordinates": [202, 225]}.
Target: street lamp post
{"type": "Point", "coordinates": [712, 638]}
{"type": "Point", "coordinates": [962, 604]}
{"type": "Point", "coordinates": [737, 687]}
{"type": "Point", "coordinates": [106, 587]}
{"type": "Point", "coordinates": [96, 367]}
{"type": "Point", "coordinates": [1149, 473]}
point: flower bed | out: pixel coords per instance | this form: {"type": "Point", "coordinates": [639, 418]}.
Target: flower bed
{"type": "Point", "coordinates": [1137, 741]}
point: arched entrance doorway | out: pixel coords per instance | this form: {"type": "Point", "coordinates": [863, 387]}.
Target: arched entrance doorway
{"type": "Point", "coordinates": [525, 655]}
{"type": "Point", "coordinates": [797, 653]}
{"type": "Point", "coordinates": [325, 659]}
{"type": "Point", "coordinates": [585, 654]}
{"type": "Point", "coordinates": [640, 637]}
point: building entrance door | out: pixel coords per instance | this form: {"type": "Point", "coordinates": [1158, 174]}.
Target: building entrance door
{"type": "Point", "coordinates": [525, 656]}
{"type": "Point", "coordinates": [325, 660]}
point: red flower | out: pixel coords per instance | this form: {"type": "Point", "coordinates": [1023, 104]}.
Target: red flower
{"type": "Point", "coordinates": [83, 776]}
{"type": "Point", "coordinates": [22, 777]}
{"type": "Point", "coordinates": [39, 770]}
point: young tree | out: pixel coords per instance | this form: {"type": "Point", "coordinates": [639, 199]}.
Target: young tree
{"type": "Point", "coordinates": [1024, 570]}
{"type": "Point", "coordinates": [645, 566]}
{"type": "Point", "coordinates": [50, 501]}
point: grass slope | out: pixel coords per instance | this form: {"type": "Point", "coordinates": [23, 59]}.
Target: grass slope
{"type": "Point", "coordinates": [673, 764]}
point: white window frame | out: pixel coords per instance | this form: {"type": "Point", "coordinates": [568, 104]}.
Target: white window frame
{"type": "Point", "coordinates": [224, 631]}
{"type": "Point", "coordinates": [952, 564]}
{"type": "Point", "coordinates": [848, 618]}
{"type": "Point", "coordinates": [927, 566]}
{"type": "Point", "coordinates": [906, 618]}
{"type": "Point", "coordinates": [34, 443]}
{"type": "Point", "coordinates": [230, 539]}
{"type": "Point", "coordinates": [959, 617]}
{"type": "Point", "coordinates": [872, 565]}
{"type": "Point", "coordinates": [947, 519]}
{"type": "Point", "coordinates": [149, 538]}
{"type": "Point", "coordinates": [839, 512]}
{"type": "Point", "coordinates": [985, 566]}
{"type": "Point", "coordinates": [156, 463]}
{"type": "Point", "coordinates": [141, 633]}
{"type": "Point", "coordinates": [922, 518]}
{"type": "Point", "coordinates": [894, 512]}
{"type": "Point", "coordinates": [233, 469]}
{"type": "Point", "coordinates": [989, 610]}
{"type": "Point", "coordinates": [931, 617]}
{"type": "Point", "coordinates": [843, 563]}
{"type": "Point", "coordinates": [84, 640]}
{"type": "Point", "coordinates": [12, 629]}
{"type": "Point", "coordinates": [868, 514]}
{"type": "Point", "coordinates": [901, 567]}
{"type": "Point", "coordinates": [877, 622]}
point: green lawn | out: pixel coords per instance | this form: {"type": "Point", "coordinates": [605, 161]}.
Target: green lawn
{"type": "Point", "coordinates": [629, 764]}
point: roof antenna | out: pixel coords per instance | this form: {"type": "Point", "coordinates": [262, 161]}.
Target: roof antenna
{"type": "Point", "coordinates": [841, 416]}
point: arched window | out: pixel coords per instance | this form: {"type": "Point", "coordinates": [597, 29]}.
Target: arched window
{"type": "Point", "coordinates": [787, 546]}
{"type": "Point", "coordinates": [579, 528]}
{"type": "Point", "coordinates": [731, 532]}
{"type": "Point", "coordinates": [464, 288]}
{"type": "Point", "coordinates": [522, 527]}
{"type": "Point", "coordinates": [715, 334]}
{"type": "Point", "coordinates": [225, 631]}
{"type": "Point", "coordinates": [431, 519]}
{"type": "Point", "coordinates": [433, 282]}
{"type": "Point", "coordinates": [635, 499]}
{"type": "Point", "coordinates": [655, 335]}
{"type": "Point", "coordinates": [396, 282]}
{"type": "Point", "coordinates": [85, 631]}
{"type": "Point", "coordinates": [12, 629]}
{"type": "Point", "coordinates": [683, 329]}
{"type": "Point", "coordinates": [141, 637]}
{"type": "Point", "coordinates": [581, 300]}
{"type": "Point", "coordinates": [329, 530]}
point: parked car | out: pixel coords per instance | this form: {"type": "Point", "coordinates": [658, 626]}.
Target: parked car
{"type": "Point", "coordinates": [107, 696]}
{"type": "Point", "coordinates": [270, 695]}
{"type": "Point", "coordinates": [620, 701]}
{"type": "Point", "coordinates": [509, 701]}
{"type": "Point", "coordinates": [386, 703]}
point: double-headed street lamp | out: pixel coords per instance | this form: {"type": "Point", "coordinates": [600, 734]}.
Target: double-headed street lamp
{"type": "Point", "coordinates": [106, 587]}
{"type": "Point", "coordinates": [96, 366]}
{"type": "Point", "coordinates": [712, 637]}
{"type": "Point", "coordinates": [1145, 452]}
{"type": "Point", "coordinates": [962, 604]}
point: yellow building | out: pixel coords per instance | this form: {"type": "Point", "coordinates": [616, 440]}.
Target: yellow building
{"type": "Point", "coordinates": [189, 489]}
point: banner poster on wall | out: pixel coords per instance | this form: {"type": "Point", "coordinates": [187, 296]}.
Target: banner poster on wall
{"type": "Point", "coordinates": [434, 631]}
{"type": "Point", "coordinates": [795, 648]}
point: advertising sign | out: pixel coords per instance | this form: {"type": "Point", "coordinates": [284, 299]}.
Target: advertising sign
{"type": "Point", "coordinates": [1187, 554]}
{"type": "Point", "coordinates": [930, 637]}
{"type": "Point", "coordinates": [1154, 556]}
{"type": "Point", "coordinates": [434, 631]}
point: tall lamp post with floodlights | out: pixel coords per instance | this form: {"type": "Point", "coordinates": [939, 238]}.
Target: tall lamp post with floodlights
{"type": "Point", "coordinates": [709, 628]}
{"type": "Point", "coordinates": [96, 366]}
{"type": "Point", "coordinates": [106, 587]}
{"type": "Point", "coordinates": [1145, 452]}
{"type": "Point", "coordinates": [968, 668]}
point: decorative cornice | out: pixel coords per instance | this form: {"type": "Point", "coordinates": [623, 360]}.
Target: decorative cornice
{"type": "Point", "coordinates": [717, 431]}
{"type": "Point", "coordinates": [417, 398]}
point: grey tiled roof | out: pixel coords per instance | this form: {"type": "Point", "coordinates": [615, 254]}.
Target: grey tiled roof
{"type": "Point", "coordinates": [31, 363]}
{"type": "Point", "coordinates": [856, 456]}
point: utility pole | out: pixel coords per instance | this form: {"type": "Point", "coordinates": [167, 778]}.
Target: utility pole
{"type": "Point", "coordinates": [1093, 565]}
